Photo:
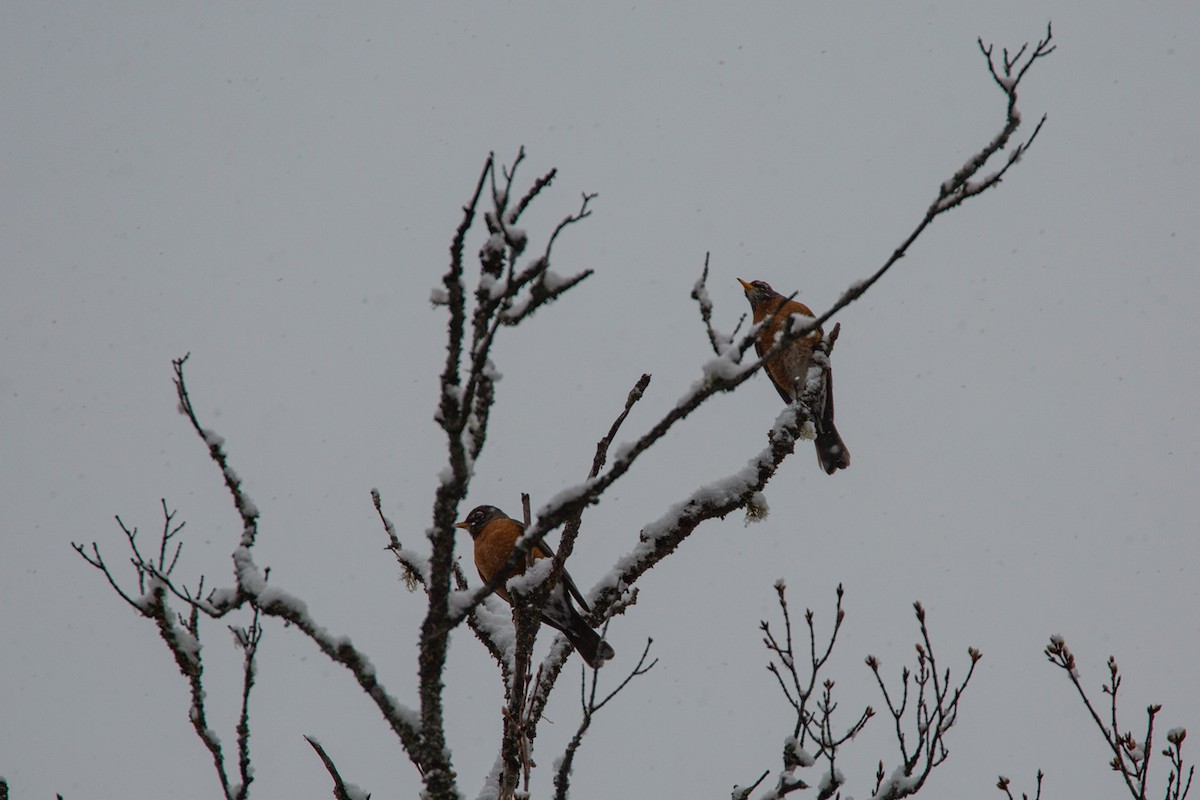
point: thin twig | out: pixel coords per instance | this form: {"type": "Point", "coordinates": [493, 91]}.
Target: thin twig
{"type": "Point", "coordinates": [1130, 757]}
{"type": "Point", "coordinates": [933, 714]}
{"type": "Point", "coordinates": [798, 685]}
{"type": "Point", "coordinates": [1003, 785]}
{"type": "Point", "coordinates": [590, 706]}
{"type": "Point", "coordinates": [341, 789]}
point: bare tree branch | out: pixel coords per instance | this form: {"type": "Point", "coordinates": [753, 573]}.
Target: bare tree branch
{"type": "Point", "coordinates": [798, 675]}
{"type": "Point", "coordinates": [341, 789]}
{"type": "Point", "coordinates": [181, 635]}
{"type": "Point", "coordinates": [719, 342]}
{"type": "Point", "coordinates": [1131, 757]}
{"type": "Point", "coordinates": [247, 639]}
{"type": "Point", "coordinates": [933, 713]}
{"type": "Point", "coordinates": [1003, 785]}
{"type": "Point", "coordinates": [412, 565]}
{"type": "Point", "coordinates": [216, 451]}
{"type": "Point", "coordinates": [252, 587]}
{"type": "Point", "coordinates": [590, 706]}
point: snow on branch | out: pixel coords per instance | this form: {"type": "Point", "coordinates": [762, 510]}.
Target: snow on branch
{"type": "Point", "coordinates": [181, 634]}
{"type": "Point", "coordinates": [544, 284]}
{"type": "Point", "coordinates": [720, 342]}
{"type": "Point", "coordinates": [341, 789]}
{"type": "Point", "coordinates": [252, 585]}
{"type": "Point", "coordinates": [415, 569]}
{"type": "Point", "coordinates": [156, 586]}
{"type": "Point", "coordinates": [715, 500]}
{"type": "Point", "coordinates": [246, 508]}
{"type": "Point", "coordinates": [1007, 75]}
{"type": "Point", "coordinates": [741, 489]}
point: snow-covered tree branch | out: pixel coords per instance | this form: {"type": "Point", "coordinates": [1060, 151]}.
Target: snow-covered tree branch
{"type": "Point", "coordinates": [510, 280]}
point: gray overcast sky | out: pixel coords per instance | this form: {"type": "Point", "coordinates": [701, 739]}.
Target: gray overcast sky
{"type": "Point", "coordinates": [273, 188]}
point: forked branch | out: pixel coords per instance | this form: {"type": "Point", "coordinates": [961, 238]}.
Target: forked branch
{"type": "Point", "coordinates": [798, 671]}
{"type": "Point", "coordinates": [1004, 785]}
{"type": "Point", "coordinates": [923, 712]}
{"type": "Point", "coordinates": [590, 707]}
{"type": "Point", "coordinates": [1131, 755]}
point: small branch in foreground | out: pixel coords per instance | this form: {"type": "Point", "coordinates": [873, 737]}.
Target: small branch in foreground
{"type": "Point", "coordinates": [1003, 785]}
{"type": "Point", "coordinates": [252, 587]}
{"type": "Point", "coordinates": [605, 443]}
{"type": "Point", "coordinates": [933, 712]}
{"type": "Point", "coordinates": [181, 635]}
{"type": "Point", "coordinates": [590, 706]}
{"type": "Point", "coordinates": [813, 726]}
{"type": "Point", "coordinates": [1131, 756]}
{"type": "Point", "coordinates": [247, 639]}
{"type": "Point", "coordinates": [412, 566]}
{"type": "Point", "coordinates": [341, 789]}
{"type": "Point", "coordinates": [718, 341]}
{"type": "Point", "coordinates": [246, 508]}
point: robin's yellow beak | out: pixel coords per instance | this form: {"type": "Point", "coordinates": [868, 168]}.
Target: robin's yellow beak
{"type": "Point", "coordinates": [747, 288]}
{"type": "Point", "coordinates": [462, 525]}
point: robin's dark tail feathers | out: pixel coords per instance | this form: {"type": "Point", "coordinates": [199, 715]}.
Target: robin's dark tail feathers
{"type": "Point", "coordinates": [594, 650]}
{"type": "Point", "coordinates": [831, 450]}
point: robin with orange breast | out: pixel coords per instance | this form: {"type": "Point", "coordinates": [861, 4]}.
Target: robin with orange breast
{"type": "Point", "coordinates": [789, 369]}
{"type": "Point", "coordinates": [495, 535]}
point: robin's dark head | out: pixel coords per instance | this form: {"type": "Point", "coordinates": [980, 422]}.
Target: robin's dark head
{"type": "Point", "coordinates": [758, 292]}
{"type": "Point", "coordinates": [480, 516]}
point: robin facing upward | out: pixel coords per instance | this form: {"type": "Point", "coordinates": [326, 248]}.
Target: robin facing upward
{"type": "Point", "coordinates": [789, 370]}
{"type": "Point", "coordinates": [495, 535]}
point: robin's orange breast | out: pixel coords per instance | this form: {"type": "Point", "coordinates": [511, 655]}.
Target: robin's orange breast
{"type": "Point", "coordinates": [494, 545]}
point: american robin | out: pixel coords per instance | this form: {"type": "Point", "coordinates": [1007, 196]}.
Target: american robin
{"type": "Point", "coordinates": [495, 534]}
{"type": "Point", "coordinates": [789, 370]}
